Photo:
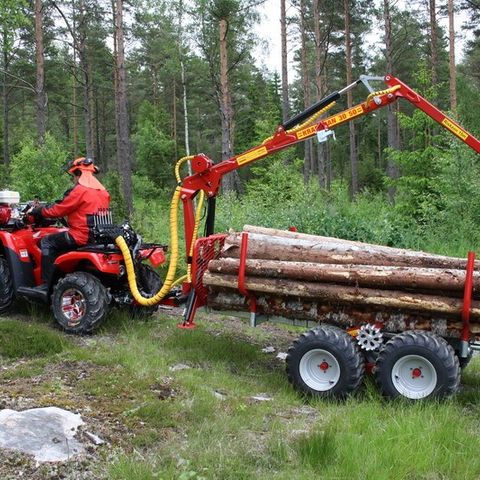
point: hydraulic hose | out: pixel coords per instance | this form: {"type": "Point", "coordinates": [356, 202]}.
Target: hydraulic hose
{"type": "Point", "coordinates": [172, 267]}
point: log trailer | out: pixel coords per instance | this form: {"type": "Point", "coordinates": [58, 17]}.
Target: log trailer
{"type": "Point", "coordinates": [330, 359]}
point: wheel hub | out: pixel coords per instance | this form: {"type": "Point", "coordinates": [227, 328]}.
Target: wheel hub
{"type": "Point", "coordinates": [73, 305]}
{"type": "Point", "coordinates": [414, 376]}
{"type": "Point", "coordinates": [319, 369]}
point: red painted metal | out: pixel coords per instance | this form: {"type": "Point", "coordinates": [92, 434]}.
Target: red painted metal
{"type": "Point", "coordinates": [292, 229]}
{"type": "Point", "coordinates": [105, 263]}
{"type": "Point", "coordinates": [416, 372]}
{"type": "Point", "coordinates": [467, 297]}
{"type": "Point", "coordinates": [241, 274]}
{"type": "Point", "coordinates": [324, 366]}
{"type": "Point", "coordinates": [205, 249]}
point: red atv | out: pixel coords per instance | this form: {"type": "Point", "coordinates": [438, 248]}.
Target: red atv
{"type": "Point", "coordinates": [86, 281]}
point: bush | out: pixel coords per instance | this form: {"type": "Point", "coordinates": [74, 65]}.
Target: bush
{"type": "Point", "coordinates": [38, 172]}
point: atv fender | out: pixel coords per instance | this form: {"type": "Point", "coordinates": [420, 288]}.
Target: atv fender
{"type": "Point", "coordinates": [19, 262]}
{"type": "Point", "coordinates": [108, 263]}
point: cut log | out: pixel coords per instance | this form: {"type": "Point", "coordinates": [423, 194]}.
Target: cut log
{"type": "Point", "coordinates": [345, 316]}
{"type": "Point", "coordinates": [341, 295]}
{"type": "Point", "coordinates": [287, 249]}
{"type": "Point", "coordinates": [358, 275]}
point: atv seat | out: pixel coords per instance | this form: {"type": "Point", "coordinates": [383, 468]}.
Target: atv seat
{"type": "Point", "coordinates": [98, 248]}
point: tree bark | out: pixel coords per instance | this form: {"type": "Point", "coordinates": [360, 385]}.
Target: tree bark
{"type": "Point", "coordinates": [124, 147]}
{"type": "Point", "coordinates": [5, 101]}
{"type": "Point", "coordinates": [410, 278]}
{"type": "Point", "coordinates": [433, 40]}
{"type": "Point", "coordinates": [341, 295]}
{"type": "Point", "coordinates": [308, 157]}
{"type": "Point", "coordinates": [320, 53]}
{"type": "Point", "coordinates": [230, 182]}
{"type": "Point", "coordinates": [392, 122]}
{"type": "Point", "coordinates": [40, 97]}
{"type": "Point", "coordinates": [452, 66]}
{"type": "Point", "coordinates": [351, 124]}
{"type": "Point", "coordinates": [335, 251]}
{"type": "Point", "coordinates": [283, 36]}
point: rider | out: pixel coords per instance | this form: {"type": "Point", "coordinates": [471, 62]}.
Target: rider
{"type": "Point", "coordinates": [85, 199]}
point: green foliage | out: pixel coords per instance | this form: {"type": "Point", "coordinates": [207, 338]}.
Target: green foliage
{"type": "Point", "coordinates": [155, 150]}
{"type": "Point", "coordinates": [38, 172]}
{"type": "Point", "coordinates": [111, 181]}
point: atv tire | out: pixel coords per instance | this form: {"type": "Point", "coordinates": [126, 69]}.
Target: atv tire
{"type": "Point", "coordinates": [149, 283]}
{"type": "Point", "coordinates": [6, 286]}
{"type": "Point", "coordinates": [79, 303]}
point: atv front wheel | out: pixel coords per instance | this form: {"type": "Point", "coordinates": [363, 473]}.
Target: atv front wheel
{"type": "Point", "coordinates": [79, 302]}
{"type": "Point", "coordinates": [6, 286]}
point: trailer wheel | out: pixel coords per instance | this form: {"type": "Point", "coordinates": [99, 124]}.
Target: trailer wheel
{"type": "Point", "coordinates": [325, 362]}
{"type": "Point", "coordinates": [79, 302]}
{"type": "Point", "coordinates": [6, 286]}
{"type": "Point", "coordinates": [417, 365]}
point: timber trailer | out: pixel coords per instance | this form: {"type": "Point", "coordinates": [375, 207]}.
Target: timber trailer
{"type": "Point", "coordinates": [412, 359]}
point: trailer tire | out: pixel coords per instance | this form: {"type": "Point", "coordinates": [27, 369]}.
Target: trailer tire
{"type": "Point", "coordinates": [325, 362]}
{"type": "Point", "coordinates": [88, 302]}
{"type": "Point", "coordinates": [6, 286]}
{"type": "Point", "coordinates": [417, 365]}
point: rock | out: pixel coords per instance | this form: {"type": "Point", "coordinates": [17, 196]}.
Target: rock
{"type": "Point", "coordinates": [220, 396]}
{"type": "Point", "coordinates": [46, 433]}
{"type": "Point", "coordinates": [268, 349]}
{"type": "Point", "coordinates": [282, 355]}
{"type": "Point", "coordinates": [178, 366]}
{"type": "Point", "coordinates": [96, 440]}
{"type": "Point", "coordinates": [262, 398]}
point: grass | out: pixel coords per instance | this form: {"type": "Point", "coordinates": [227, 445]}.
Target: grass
{"type": "Point", "coordinates": [201, 422]}
{"type": "Point", "coordinates": [18, 339]}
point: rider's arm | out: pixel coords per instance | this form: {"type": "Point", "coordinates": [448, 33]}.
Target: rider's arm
{"type": "Point", "coordinates": [63, 207]}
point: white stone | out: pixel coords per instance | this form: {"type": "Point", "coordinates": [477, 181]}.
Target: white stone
{"type": "Point", "coordinates": [46, 433]}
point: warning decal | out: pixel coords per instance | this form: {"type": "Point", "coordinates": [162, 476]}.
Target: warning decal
{"type": "Point", "coordinates": [252, 155]}
{"type": "Point", "coordinates": [454, 128]}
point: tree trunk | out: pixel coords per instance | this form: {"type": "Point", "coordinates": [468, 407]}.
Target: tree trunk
{"type": "Point", "coordinates": [433, 40]}
{"type": "Point", "coordinates": [344, 295]}
{"type": "Point", "coordinates": [392, 122]}
{"type": "Point", "coordinates": [308, 157]}
{"type": "Point", "coordinates": [410, 278]}
{"type": "Point", "coordinates": [334, 251]}
{"type": "Point", "coordinates": [452, 66]}
{"type": "Point", "coordinates": [229, 182]}
{"type": "Point", "coordinates": [82, 53]}
{"type": "Point", "coordinates": [320, 84]}
{"type": "Point", "coordinates": [283, 35]}
{"type": "Point", "coordinates": [5, 101]}
{"type": "Point", "coordinates": [351, 124]}
{"type": "Point", "coordinates": [40, 98]}
{"type": "Point", "coordinates": [124, 147]}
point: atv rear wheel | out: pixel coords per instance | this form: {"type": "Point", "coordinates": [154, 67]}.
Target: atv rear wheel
{"type": "Point", "coordinates": [79, 302]}
{"type": "Point", "coordinates": [149, 283]}
{"type": "Point", "coordinates": [6, 286]}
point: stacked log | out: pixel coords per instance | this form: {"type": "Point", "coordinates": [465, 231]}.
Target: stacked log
{"type": "Point", "coordinates": [328, 275]}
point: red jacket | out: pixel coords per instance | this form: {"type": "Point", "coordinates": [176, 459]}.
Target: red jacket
{"type": "Point", "coordinates": [77, 205]}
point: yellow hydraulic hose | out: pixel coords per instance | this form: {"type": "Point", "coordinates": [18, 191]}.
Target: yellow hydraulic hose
{"type": "Point", "coordinates": [172, 267]}
{"type": "Point", "coordinates": [306, 122]}
{"type": "Point", "coordinates": [198, 215]}
{"type": "Point", "coordinates": [382, 92]}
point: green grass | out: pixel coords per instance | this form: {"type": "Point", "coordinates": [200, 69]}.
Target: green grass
{"type": "Point", "coordinates": [180, 428]}
{"type": "Point", "coordinates": [19, 339]}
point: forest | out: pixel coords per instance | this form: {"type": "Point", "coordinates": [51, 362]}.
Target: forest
{"type": "Point", "coordinates": [137, 84]}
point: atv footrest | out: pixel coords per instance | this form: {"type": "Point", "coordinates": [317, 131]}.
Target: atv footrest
{"type": "Point", "coordinates": [33, 293]}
